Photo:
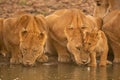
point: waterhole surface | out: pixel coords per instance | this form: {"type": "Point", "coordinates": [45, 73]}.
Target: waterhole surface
{"type": "Point", "coordinates": [58, 71]}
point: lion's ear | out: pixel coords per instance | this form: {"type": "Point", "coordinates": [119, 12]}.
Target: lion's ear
{"type": "Point", "coordinates": [41, 21]}
{"type": "Point", "coordinates": [23, 20]}
{"type": "Point", "coordinates": [83, 27]}
{"type": "Point", "coordinates": [23, 32]}
{"type": "Point", "coordinates": [42, 35]}
{"type": "Point", "coordinates": [24, 17]}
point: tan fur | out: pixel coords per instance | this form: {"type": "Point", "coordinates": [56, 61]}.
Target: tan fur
{"type": "Point", "coordinates": [75, 35]}
{"type": "Point", "coordinates": [2, 47]}
{"type": "Point", "coordinates": [95, 44]}
{"type": "Point", "coordinates": [74, 44]}
{"type": "Point", "coordinates": [24, 38]}
{"type": "Point", "coordinates": [57, 41]}
{"type": "Point", "coordinates": [111, 27]}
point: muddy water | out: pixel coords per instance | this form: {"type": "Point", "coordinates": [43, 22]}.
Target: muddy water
{"type": "Point", "coordinates": [58, 71]}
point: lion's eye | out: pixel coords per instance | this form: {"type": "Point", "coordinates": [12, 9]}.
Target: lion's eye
{"type": "Point", "coordinates": [35, 50]}
{"type": "Point", "coordinates": [78, 48]}
{"type": "Point", "coordinates": [83, 27]}
{"type": "Point", "coordinates": [89, 43]}
{"type": "Point", "coordinates": [41, 34]}
{"type": "Point", "coordinates": [70, 28]}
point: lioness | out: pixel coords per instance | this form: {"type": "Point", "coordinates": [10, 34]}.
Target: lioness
{"type": "Point", "coordinates": [57, 41]}
{"type": "Point", "coordinates": [111, 27]}
{"type": "Point", "coordinates": [74, 44]}
{"type": "Point", "coordinates": [24, 37]}
{"type": "Point", "coordinates": [76, 34]}
{"type": "Point", "coordinates": [95, 44]}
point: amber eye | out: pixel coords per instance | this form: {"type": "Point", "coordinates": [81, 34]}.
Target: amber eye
{"type": "Point", "coordinates": [70, 28]}
{"type": "Point", "coordinates": [78, 48]}
{"type": "Point", "coordinates": [89, 43]}
{"type": "Point", "coordinates": [41, 34]}
{"type": "Point", "coordinates": [83, 27]}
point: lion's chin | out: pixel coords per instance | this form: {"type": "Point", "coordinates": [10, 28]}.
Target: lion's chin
{"type": "Point", "coordinates": [28, 64]}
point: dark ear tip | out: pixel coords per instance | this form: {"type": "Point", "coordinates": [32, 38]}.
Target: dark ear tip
{"type": "Point", "coordinates": [70, 27]}
{"type": "Point", "coordinates": [24, 30]}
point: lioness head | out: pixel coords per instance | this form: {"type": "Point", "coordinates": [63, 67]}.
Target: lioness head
{"type": "Point", "coordinates": [75, 44]}
{"type": "Point", "coordinates": [74, 36]}
{"type": "Point", "coordinates": [32, 38]}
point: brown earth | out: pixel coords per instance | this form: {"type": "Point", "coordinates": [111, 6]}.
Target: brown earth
{"type": "Point", "coordinates": [9, 7]}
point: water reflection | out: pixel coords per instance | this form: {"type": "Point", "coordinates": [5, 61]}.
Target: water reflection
{"type": "Point", "coordinates": [59, 72]}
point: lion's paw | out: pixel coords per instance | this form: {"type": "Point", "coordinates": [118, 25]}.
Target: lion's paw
{"type": "Point", "coordinates": [15, 61]}
{"type": "Point", "coordinates": [102, 64]}
{"type": "Point", "coordinates": [44, 58]}
{"type": "Point", "coordinates": [92, 64]}
{"type": "Point", "coordinates": [78, 61]}
{"type": "Point", "coordinates": [116, 60]}
{"type": "Point", "coordinates": [108, 62]}
{"type": "Point", "coordinates": [64, 59]}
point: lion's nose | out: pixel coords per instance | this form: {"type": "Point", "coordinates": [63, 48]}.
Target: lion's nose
{"type": "Point", "coordinates": [84, 61]}
{"type": "Point", "coordinates": [78, 47]}
{"type": "Point", "coordinates": [27, 63]}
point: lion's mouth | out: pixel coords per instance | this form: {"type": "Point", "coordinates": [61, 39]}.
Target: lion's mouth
{"type": "Point", "coordinates": [29, 65]}
{"type": "Point", "coordinates": [85, 62]}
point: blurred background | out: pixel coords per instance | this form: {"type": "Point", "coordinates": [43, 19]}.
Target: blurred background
{"type": "Point", "coordinates": [9, 7]}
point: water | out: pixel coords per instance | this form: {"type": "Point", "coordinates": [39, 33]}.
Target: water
{"type": "Point", "coordinates": [58, 71]}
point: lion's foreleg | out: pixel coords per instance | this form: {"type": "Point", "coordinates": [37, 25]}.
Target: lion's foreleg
{"type": "Point", "coordinates": [63, 54]}
{"type": "Point", "coordinates": [16, 56]}
{"type": "Point", "coordinates": [43, 58]}
{"type": "Point", "coordinates": [103, 57]}
{"type": "Point", "coordinates": [93, 59]}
